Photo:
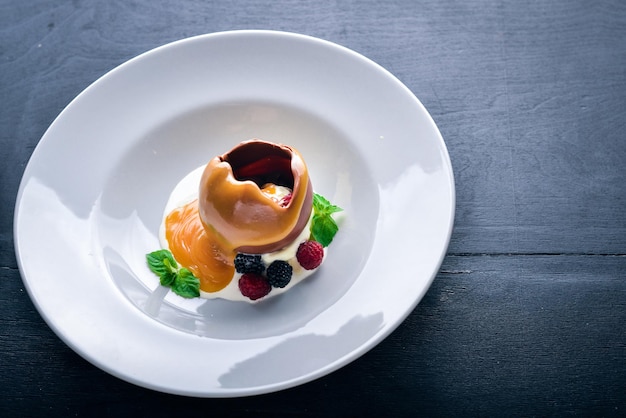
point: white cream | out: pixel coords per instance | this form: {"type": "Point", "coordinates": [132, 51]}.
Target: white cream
{"type": "Point", "coordinates": [276, 193]}
{"type": "Point", "coordinates": [187, 190]}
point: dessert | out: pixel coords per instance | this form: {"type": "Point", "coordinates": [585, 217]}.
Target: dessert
{"type": "Point", "coordinates": [253, 229]}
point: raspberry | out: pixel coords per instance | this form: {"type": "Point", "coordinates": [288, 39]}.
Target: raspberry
{"type": "Point", "coordinates": [254, 286]}
{"type": "Point", "coordinates": [284, 202]}
{"type": "Point", "coordinates": [249, 263]}
{"type": "Point", "coordinates": [310, 254]}
{"type": "Point", "coordinates": [279, 273]}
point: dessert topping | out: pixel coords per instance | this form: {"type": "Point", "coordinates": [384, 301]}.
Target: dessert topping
{"type": "Point", "coordinates": [310, 255]}
{"type": "Point", "coordinates": [284, 202]}
{"type": "Point", "coordinates": [180, 280]}
{"type": "Point", "coordinates": [323, 226]}
{"type": "Point", "coordinates": [249, 263]}
{"type": "Point", "coordinates": [279, 273]}
{"type": "Point", "coordinates": [254, 286]}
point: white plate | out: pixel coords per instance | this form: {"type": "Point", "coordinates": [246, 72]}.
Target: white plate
{"type": "Point", "coordinates": [90, 204]}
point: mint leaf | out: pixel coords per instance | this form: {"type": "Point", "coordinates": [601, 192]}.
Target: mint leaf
{"type": "Point", "coordinates": [323, 226]}
{"type": "Point", "coordinates": [167, 279]}
{"type": "Point", "coordinates": [161, 262]}
{"type": "Point", "coordinates": [319, 201]}
{"type": "Point", "coordinates": [322, 206]}
{"type": "Point", "coordinates": [180, 280]}
{"type": "Point", "coordinates": [186, 285]}
{"type": "Point", "coordinates": [323, 229]}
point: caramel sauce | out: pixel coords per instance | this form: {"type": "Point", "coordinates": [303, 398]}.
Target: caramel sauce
{"type": "Point", "coordinates": [202, 252]}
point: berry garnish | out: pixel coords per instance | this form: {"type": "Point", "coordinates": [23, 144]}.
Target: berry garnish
{"type": "Point", "coordinates": [249, 263]}
{"type": "Point", "coordinates": [310, 254]}
{"type": "Point", "coordinates": [284, 202]}
{"type": "Point", "coordinates": [254, 286]}
{"type": "Point", "coordinates": [279, 273]}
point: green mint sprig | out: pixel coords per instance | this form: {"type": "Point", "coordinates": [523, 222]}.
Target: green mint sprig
{"type": "Point", "coordinates": [179, 279]}
{"type": "Point", "coordinates": [323, 226]}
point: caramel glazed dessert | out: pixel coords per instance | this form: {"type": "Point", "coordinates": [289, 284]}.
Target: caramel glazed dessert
{"type": "Point", "coordinates": [254, 229]}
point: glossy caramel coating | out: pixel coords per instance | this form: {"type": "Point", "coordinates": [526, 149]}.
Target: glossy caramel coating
{"type": "Point", "coordinates": [233, 207]}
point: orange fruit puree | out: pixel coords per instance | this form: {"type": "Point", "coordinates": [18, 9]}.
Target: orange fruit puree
{"type": "Point", "coordinates": [204, 254]}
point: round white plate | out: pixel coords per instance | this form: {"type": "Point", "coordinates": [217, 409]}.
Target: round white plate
{"type": "Point", "coordinates": [91, 200]}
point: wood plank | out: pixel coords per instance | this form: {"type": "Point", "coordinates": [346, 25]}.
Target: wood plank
{"type": "Point", "coordinates": [536, 138]}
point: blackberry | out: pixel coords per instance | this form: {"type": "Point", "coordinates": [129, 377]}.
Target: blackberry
{"type": "Point", "coordinates": [279, 273]}
{"type": "Point", "coordinates": [249, 263]}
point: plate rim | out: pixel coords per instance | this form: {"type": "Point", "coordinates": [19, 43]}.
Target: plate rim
{"type": "Point", "coordinates": [370, 343]}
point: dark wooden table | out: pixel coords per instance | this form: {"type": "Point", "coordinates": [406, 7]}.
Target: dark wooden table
{"type": "Point", "coordinates": [527, 316]}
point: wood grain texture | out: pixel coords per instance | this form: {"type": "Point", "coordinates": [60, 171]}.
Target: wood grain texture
{"type": "Point", "coordinates": [526, 317]}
